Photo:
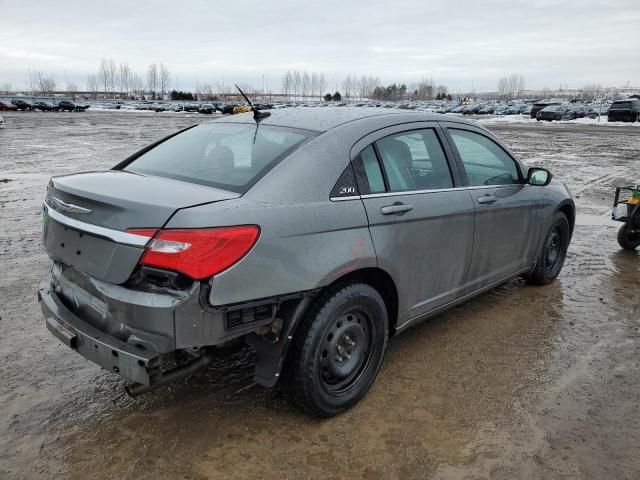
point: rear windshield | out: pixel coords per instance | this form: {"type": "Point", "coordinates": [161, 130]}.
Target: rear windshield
{"type": "Point", "coordinates": [230, 156]}
{"type": "Point", "coordinates": [620, 105]}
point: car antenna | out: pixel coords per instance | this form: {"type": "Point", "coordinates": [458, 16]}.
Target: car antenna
{"type": "Point", "coordinates": [257, 114]}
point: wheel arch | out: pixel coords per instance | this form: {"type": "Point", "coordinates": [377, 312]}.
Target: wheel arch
{"type": "Point", "coordinates": [380, 280]}
{"type": "Point", "coordinates": [569, 211]}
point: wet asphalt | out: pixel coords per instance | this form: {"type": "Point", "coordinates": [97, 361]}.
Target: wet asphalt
{"type": "Point", "coordinates": [521, 382]}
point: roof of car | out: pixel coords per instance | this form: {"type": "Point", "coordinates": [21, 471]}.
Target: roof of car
{"type": "Point", "coordinates": [322, 119]}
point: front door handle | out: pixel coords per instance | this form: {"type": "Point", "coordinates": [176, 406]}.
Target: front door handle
{"type": "Point", "coordinates": [487, 200]}
{"type": "Point", "coordinates": [396, 208]}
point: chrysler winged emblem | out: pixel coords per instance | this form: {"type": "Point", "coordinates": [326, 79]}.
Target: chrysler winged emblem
{"type": "Point", "coordinates": [68, 207]}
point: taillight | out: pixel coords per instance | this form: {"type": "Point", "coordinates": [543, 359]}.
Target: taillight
{"type": "Point", "coordinates": [198, 253]}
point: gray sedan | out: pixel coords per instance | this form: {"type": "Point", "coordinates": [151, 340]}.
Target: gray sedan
{"type": "Point", "coordinates": [312, 235]}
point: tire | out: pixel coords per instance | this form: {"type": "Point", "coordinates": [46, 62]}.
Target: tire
{"type": "Point", "coordinates": [337, 350]}
{"type": "Point", "coordinates": [552, 253]}
{"type": "Point", "coordinates": [627, 239]}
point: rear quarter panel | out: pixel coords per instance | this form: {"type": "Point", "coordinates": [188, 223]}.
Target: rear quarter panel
{"type": "Point", "coordinates": [306, 240]}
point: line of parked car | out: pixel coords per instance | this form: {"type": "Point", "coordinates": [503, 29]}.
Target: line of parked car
{"type": "Point", "coordinates": [61, 106]}
{"type": "Point", "coordinates": [618, 111]}
{"type": "Point", "coordinates": [549, 110]}
{"type": "Point", "coordinates": [205, 108]}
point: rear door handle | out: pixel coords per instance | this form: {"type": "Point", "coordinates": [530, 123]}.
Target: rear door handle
{"type": "Point", "coordinates": [487, 199]}
{"type": "Point", "coordinates": [396, 208]}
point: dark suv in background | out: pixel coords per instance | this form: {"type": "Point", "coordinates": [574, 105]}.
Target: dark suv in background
{"type": "Point", "coordinates": [625, 111]}
{"type": "Point", "coordinates": [555, 112]}
{"type": "Point", "coordinates": [45, 107]}
{"type": "Point", "coordinates": [68, 105]}
{"type": "Point", "coordinates": [23, 105]}
{"type": "Point", "coordinates": [539, 106]}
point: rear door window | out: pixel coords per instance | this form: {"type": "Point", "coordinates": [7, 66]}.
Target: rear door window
{"type": "Point", "coordinates": [372, 170]}
{"type": "Point", "coordinates": [414, 160]}
{"type": "Point", "coordinates": [230, 156]}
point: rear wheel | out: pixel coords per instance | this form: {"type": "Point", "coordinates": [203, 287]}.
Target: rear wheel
{"type": "Point", "coordinates": [554, 250]}
{"type": "Point", "coordinates": [627, 238]}
{"type": "Point", "coordinates": [337, 350]}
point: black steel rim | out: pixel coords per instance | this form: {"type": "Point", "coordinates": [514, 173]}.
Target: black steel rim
{"type": "Point", "coordinates": [345, 351]}
{"type": "Point", "coordinates": [554, 249]}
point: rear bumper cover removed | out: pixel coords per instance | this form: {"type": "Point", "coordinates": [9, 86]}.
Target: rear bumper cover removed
{"type": "Point", "coordinates": [109, 352]}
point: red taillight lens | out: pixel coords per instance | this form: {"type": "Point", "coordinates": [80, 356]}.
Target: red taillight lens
{"type": "Point", "coordinates": [198, 253]}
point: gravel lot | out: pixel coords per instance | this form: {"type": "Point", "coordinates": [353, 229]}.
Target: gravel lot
{"type": "Point", "coordinates": [522, 382]}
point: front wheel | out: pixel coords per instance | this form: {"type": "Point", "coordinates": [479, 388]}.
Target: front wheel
{"type": "Point", "coordinates": [553, 252]}
{"type": "Point", "coordinates": [628, 238]}
{"type": "Point", "coordinates": [337, 350]}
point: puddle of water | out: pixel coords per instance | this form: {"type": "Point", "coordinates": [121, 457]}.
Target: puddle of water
{"type": "Point", "coordinates": [589, 220]}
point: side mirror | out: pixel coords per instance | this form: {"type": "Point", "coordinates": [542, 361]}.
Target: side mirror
{"type": "Point", "coordinates": [539, 177]}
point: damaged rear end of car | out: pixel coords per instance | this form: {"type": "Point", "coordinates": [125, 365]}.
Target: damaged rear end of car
{"type": "Point", "coordinates": [132, 293]}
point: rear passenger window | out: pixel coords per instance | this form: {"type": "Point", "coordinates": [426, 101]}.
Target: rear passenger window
{"type": "Point", "coordinates": [414, 161]}
{"type": "Point", "coordinates": [485, 162]}
{"type": "Point", "coordinates": [372, 170]}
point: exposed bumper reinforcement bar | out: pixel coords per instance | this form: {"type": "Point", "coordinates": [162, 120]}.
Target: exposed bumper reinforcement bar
{"type": "Point", "coordinates": [109, 352]}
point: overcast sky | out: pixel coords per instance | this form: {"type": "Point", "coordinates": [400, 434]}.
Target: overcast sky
{"type": "Point", "coordinates": [459, 43]}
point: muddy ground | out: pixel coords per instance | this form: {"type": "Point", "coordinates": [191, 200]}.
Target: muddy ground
{"type": "Point", "coordinates": [522, 382]}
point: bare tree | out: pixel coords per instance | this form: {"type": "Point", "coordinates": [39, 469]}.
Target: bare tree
{"type": "Point", "coordinates": [306, 84]}
{"type": "Point", "coordinates": [370, 84]}
{"type": "Point", "coordinates": [521, 86]}
{"type": "Point", "coordinates": [136, 85]}
{"type": "Point", "coordinates": [112, 70]}
{"type": "Point", "coordinates": [92, 85]}
{"type": "Point", "coordinates": [363, 87]}
{"type": "Point", "coordinates": [348, 87]}
{"type": "Point", "coordinates": [287, 83]}
{"type": "Point", "coordinates": [509, 87]}
{"type": "Point", "coordinates": [124, 78]}
{"type": "Point", "coordinates": [322, 84]}
{"type": "Point", "coordinates": [103, 75]}
{"type": "Point", "coordinates": [424, 89]}
{"type": "Point", "coordinates": [43, 84]}
{"type": "Point", "coordinates": [297, 82]}
{"type": "Point", "coordinates": [314, 84]}
{"type": "Point", "coordinates": [589, 92]}
{"type": "Point", "coordinates": [152, 79]}
{"type": "Point", "coordinates": [72, 88]}
{"type": "Point", "coordinates": [164, 79]}
{"type": "Point", "coordinates": [206, 90]}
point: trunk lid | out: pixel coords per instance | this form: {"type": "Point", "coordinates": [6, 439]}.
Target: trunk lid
{"type": "Point", "coordinates": [86, 215]}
